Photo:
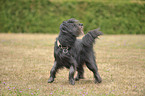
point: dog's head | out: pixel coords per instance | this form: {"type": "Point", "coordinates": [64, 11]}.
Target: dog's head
{"type": "Point", "coordinates": [72, 26]}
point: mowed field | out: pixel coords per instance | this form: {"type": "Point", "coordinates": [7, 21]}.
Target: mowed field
{"type": "Point", "coordinates": [26, 61]}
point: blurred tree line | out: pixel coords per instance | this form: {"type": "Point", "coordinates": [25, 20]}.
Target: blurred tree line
{"type": "Point", "coordinates": [44, 16]}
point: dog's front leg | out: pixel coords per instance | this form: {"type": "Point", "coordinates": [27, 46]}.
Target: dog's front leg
{"type": "Point", "coordinates": [53, 72]}
{"type": "Point", "coordinates": [71, 75]}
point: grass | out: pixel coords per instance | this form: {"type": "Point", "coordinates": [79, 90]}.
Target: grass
{"type": "Point", "coordinates": [26, 60]}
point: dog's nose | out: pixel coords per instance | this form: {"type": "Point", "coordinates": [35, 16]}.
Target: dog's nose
{"type": "Point", "coordinates": [81, 24]}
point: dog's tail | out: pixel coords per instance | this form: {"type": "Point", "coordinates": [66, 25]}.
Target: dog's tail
{"type": "Point", "coordinates": [89, 38]}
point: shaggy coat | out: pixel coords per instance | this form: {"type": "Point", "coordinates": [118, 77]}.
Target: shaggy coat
{"type": "Point", "coordinates": [73, 53]}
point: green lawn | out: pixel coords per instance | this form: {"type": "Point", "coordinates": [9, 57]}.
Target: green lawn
{"type": "Point", "coordinates": [26, 60]}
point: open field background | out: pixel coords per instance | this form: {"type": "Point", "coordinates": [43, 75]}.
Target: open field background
{"type": "Point", "coordinates": [26, 60]}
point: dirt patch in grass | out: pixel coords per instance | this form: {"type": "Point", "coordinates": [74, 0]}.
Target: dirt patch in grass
{"type": "Point", "coordinates": [26, 60]}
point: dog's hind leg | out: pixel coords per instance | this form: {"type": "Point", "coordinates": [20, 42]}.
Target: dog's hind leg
{"type": "Point", "coordinates": [80, 74]}
{"type": "Point", "coordinates": [53, 72]}
{"type": "Point", "coordinates": [91, 64]}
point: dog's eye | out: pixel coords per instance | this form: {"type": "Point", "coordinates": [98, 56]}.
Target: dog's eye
{"type": "Point", "coordinates": [81, 24]}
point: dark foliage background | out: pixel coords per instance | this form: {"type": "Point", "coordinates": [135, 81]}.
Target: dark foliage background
{"type": "Point", "coordinates": [44, 16]}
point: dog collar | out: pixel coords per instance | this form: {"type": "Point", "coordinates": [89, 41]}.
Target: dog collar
{"type": "Point", "coordinates": [65, 49]}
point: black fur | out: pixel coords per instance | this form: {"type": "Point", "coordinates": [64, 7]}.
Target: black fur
{"type": "Point", "coordinates": [73, 53]}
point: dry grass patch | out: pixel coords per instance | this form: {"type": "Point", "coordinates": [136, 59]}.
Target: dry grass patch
{"type": "Point", "coordinates": [26, 60]}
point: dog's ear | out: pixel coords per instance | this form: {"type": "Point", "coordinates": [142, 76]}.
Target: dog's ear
{"type": "Point", "coordinates": [64, 28]}
{"type": "Point", "coordinates": [70, 27]}
{"type": "Point", "coordinates": [73, 20]}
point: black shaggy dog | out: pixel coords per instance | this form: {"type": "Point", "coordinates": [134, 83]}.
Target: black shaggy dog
{"type": "Point", "coordinates": [73, 53]}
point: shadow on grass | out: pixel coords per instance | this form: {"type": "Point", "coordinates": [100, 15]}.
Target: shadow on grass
{"type": "Point", "coordinates": [80, 82]}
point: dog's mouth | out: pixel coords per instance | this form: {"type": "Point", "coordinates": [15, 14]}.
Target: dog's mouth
{"type": "Point", "coordinates": [81, 28]}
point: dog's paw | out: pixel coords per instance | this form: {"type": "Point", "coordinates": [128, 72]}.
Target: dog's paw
{"type": "Point", "coordinates": [72, 82]}
{"type": "Point", "coordinates": [78, 78]}
{"type": "Point", "coordinates": [98, 79]}
{"type": "Point", "coordinates": [50, 80]}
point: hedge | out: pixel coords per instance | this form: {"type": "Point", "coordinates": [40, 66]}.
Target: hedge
{"type": "Point", "coordinates": [43, 16]}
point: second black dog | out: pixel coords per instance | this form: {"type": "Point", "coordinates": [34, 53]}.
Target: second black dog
{"type": "Point", "coordinates": [73, 53]}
